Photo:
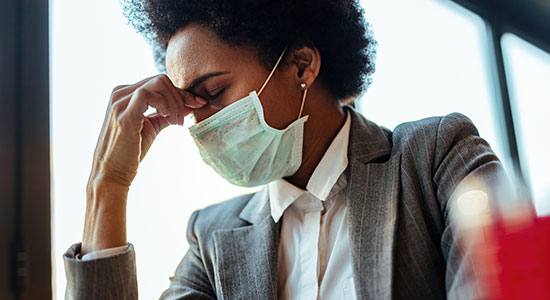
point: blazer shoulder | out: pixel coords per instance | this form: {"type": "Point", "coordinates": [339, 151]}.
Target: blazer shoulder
{"type": "Point", "coordinates": [429, 133]}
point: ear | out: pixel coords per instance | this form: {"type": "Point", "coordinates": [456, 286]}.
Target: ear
{"type": "Point", "coordinates": [307, 63]}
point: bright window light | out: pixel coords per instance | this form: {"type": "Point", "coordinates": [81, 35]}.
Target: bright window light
{"type": "Point", "coordinates": [528, 74]}
{"type": "Point", "coordinates": [432, 60]}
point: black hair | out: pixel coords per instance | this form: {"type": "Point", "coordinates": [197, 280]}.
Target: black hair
{"type": "Point", "coordinates": [337, 28]}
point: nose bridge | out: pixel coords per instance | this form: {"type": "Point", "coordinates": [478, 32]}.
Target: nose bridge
{"type": "Point", "coordinates": [206, 112]}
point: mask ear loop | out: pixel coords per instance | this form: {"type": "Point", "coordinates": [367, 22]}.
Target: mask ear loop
{"type": "Point", "coordinates": [303, 84]}
{"type": "Point", "coordinates": [272, 71]}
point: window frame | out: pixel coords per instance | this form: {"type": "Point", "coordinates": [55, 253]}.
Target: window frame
{"type": "Point", "coordinates": [25, 219]}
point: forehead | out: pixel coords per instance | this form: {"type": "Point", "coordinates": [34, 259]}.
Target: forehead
{"type": "Point", "coordinates": [195, 50]}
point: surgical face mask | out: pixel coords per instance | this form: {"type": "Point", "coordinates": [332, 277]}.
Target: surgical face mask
{"type": "Point", "coordinates": [240, 146]}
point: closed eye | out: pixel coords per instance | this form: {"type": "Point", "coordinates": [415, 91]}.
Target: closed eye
{"type": "Point", "coordinates": [212, 97]}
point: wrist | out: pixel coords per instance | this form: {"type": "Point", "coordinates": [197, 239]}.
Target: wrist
{"type": "Point", "coordinates": [105, 220]}
{"type": "Point", "coordinates": [102, 186]}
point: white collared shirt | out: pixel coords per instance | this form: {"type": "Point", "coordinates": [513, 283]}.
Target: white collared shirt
{"type": "Point", "coordinates": [314, 251]}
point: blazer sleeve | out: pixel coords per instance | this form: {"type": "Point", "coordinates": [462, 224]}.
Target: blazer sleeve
{"type": "Point", "coordinates": [190, 280]}
{"type": "Point", "coordinates": [461, 156]}
{"type": "Point", "coordinates": [111, 277]}
{"type": "Point", "coordinates": [114, 276]}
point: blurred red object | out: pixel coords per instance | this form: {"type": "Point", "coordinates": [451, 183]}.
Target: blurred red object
{"type": "Point", "coordinates": [514, 259]}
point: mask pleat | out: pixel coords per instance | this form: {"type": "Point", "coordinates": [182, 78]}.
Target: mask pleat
{"type": "Point", "coordinates": [243, 151]}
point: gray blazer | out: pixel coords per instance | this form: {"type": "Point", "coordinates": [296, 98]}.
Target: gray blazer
{"type": "Point", "coordinates": [403, 239]}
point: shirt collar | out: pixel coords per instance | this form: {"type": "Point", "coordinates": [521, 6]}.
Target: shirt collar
{"type": "Point", "coordinates": [333, 163]}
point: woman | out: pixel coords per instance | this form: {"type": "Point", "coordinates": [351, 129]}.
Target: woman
{"type": "Point", "coordinates": [349, 210]}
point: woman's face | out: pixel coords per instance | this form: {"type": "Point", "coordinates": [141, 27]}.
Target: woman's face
{"type": "Point", "coordinates": [197, 61]}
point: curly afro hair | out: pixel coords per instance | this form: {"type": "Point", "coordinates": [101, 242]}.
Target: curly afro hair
{"type": "Point", "coordinates": [337, 28]}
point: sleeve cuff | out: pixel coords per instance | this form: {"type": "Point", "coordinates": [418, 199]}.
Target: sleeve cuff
{"type": "Point", "coordinates": [112, 277]}
{"type": "Point", "coordinates": [102, 253]}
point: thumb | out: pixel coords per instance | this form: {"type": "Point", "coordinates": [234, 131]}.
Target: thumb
{"type": "Point", "coordinates": [152, 126]}
{"type": "Point", "coordinates": [158, 122]}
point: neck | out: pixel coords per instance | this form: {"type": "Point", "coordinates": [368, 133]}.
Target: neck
{"type": "Point", "coordinates": [326, 117]}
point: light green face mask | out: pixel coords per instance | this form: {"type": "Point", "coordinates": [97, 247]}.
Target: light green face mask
{"type": "Point", "coordinates": [240, 146]}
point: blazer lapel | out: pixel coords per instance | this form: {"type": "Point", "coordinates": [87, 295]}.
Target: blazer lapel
{"type": "Point", "coordinates": [247, 256]}
{"type": "Point", "coordinates": [373, 193]}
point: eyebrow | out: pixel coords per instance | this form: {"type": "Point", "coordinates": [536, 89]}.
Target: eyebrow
{"type": "Point", "coordinates": [202, 78]}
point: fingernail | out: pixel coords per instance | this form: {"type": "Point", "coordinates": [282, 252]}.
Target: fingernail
{"type": "Point", "coordinates": [201, 100]}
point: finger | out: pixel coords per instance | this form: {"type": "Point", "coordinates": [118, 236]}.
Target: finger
{"type": "Point", "coordinates": [152, 125]}
{"type": "Point", "coordinates": [140, 101]}
{"type": "Point", "coordinates": [162, 84]}
{"type": "Point", "coordinates": [159, 122]}
{"type": "Point", "coordinates": [187, 111]}
{"type": "Point", "coordinates": [124, 90]}
{"type": "Point", "coordinates": [176, 96]}
{"type": "Point", "coordinates": [193, 101]}
{"type": "Point", "coordinates": [158, 86]}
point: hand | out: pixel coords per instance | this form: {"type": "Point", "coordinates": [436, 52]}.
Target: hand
{"type": "Point", "coordinates": [127, 134]}
{"type": "Point", "coordinates": [124, 140]}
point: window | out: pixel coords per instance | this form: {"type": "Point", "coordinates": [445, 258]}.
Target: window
{"type": "Point", "coordinates": [431, 60]}
{"type": "Point", "coordinates": [528, 72]}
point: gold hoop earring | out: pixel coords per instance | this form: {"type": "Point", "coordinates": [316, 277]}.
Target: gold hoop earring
{"type": "Point", "coordinates": [303, 85]}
